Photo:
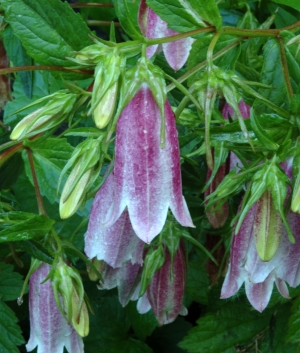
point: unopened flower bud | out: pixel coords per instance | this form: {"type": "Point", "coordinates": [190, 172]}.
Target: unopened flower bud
{"type": "Point", "coordinates": [105, 109]}
{"type": "Point", "coordinates": [67, 282]}
{"type": "Point", "coordinates": [85, 163]}
{"type": "Point", "coordinates": [166, 290]}
{"type": "Point", "coordinates": [267, 227]}
{"type": "Point", "coordinates": [105, 89]}
{"type": "Point", "coordinates": [45, 118]}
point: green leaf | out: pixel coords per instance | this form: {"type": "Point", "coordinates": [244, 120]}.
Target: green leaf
{"type": "Point", "coordinates": [23, 226]}
{"type": "Point", "coordinates": [35, 249]}
{"type": "Point", "coordinates": [143, 325]}
{"type": "Point", "coordinates": [19, 57]}
{"type": "Point", "coordinates": [127, 12]}
{"type": "Point", "coordinates": [50, 157]}
{"type": "Point", "coordinates": [109, 329]}
{"type": "Point", "coordinates": [274, 338]}
{"type": "Point", "coordinates": [183, 16]}
{"type": "Point", "coordinates": [293, 334]}
{"type": "Point", "coordinates": [49, 30]}
{"type": "Point", "coordinates": [292, 3]}
{"type": "Point", "coordinates": [166, 338]}
{"type": "Point", "coordinates": [10, 332]}
{"type": "Point", "coordinates": [10, 283]}
{"type": "Point", "coordinates": [197, 281]}
{"type": "Point", "coordinates": [261, 133]}
{"type": "Point", "coordinates": [229, 326]}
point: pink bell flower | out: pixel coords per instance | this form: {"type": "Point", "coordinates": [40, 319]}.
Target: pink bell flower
{"type": "Point", "coordinates": [116, 244]}
{"type": "Point", "coordinates": [49, 330]}
{"type": "Point", "coordinates": [259, 276]}
{"type": "Point", "coordinates": [147, 176]}
{"type": "Point", "coordinates": [152, 26]}
{"type": "Point", "coordinates": [166, 289]}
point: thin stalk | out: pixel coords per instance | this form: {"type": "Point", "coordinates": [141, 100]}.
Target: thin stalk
{"type": "Point", "coordinates": [91, 4]}
{"type": "Point", "coordinates": [38, 195]}
{"type": "Point", "coordinates": [285, 69]}
{"type": "Point", "coordinates": [150, 41]}
{"type": "Point", "coordinates": [102, 23]}
{"type": "Point", "coordinates": [210, 51]}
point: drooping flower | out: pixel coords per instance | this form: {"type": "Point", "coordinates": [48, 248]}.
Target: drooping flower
{"type": "Point", "coordinates": [126, 278]}
{"type": "Point", "coordinates": [152, 26]}
{"type": "Point", "coordinates": [116, 244]}
{"type": "Point", "coordinates": [166, 290]}
{"type": "Point", "coordinates": [259, 276]}
{"type": "Point", "coordinates": [147, 177]}
{"type": "Point", "coordinates": [49, 330]}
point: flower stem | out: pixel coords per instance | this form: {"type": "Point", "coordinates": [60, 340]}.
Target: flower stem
{"type": "Point", "coordinates": [38, 195]}
{"type": "Point", "coordinates": [285, 69]}
{"type": "Point", "coordinates": [150, 41]}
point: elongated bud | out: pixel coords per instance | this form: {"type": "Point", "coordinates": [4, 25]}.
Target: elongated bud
{"type": "Point", "coordinates": [105, 88]}
{"type": "Point", "coordinates": [166, 290]}
{"type": "Point", "coordinates": [45, 118]}
{"type": "Point", "coordinates": [67, 282]}
{"type": "Point", "coordinates": [86, 164]}
{"type": "Point", "coordinates": [267, 227]}
{"type": "Point", "coordinates": [106, 107]}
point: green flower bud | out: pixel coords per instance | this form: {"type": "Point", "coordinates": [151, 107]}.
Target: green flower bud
{"type": "Point", "coordinates": [267, 227]}
{"type": "Point", "coordinates": [45, 118]}
{"type": "Point", "coordinates": [105, 89]}
{"type": "Point", "coordinates": [67, 284]}
{"type": "Point", "coordinates": [86, 164]}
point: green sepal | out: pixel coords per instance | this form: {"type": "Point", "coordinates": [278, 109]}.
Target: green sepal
{"type": "Point", "coordinates": [220, 157]}
{"type": "Point", "coordinates": [261, 134]}
{"type": "Point", "coordinates": [154, 260]}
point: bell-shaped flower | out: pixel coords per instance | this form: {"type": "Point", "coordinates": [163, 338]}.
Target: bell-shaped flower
{"type": "Point", "coordinates": [166, 290]}
{"type": "Point", "coordinates": [125, 278]}
{"type": "Point", "coordinates": [147, 176]}
{"type": "Point", "coordinates": [116, 244]}
{"type": "Point", "coordinates": [49, 330]}
{"type": "Point", "coordinates": [259, 276]}
{"type": "Point", "coordinates": [152, 26]}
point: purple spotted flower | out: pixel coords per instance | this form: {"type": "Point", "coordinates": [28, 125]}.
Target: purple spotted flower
{"type": "Point", "coordinates": [152, 26]}
{"type": "Point", "coordinates": [147, 176]}
{"type": "Point", "coordinates": [166, 289]}
{"type": "Point", "coordinates": [49, 330]}
{"type": "Point", "coordinates": [259, 276]}
{"type": "Point", "coordinates": [115, 244]}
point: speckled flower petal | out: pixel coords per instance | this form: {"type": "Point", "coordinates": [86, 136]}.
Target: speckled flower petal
{"type": "Point", "coordinates": [259, 294]}
{"type": "Point", "coordinates": [177, 52]}
{"type": "Point", "coordinates": [115, 244]}
{"type": "Point", "coordinates": [147, 177]}
{"type": "Point", "coordinates": [126, 278]}
{"type": "Point", "coordinates": [172, 155]}
{"type": "Point", "coordinates": [165, 296]}
{"type": "Point", "coordinates": [49, 330]}
{"type": "Point", "coordinates": [237, 273]}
